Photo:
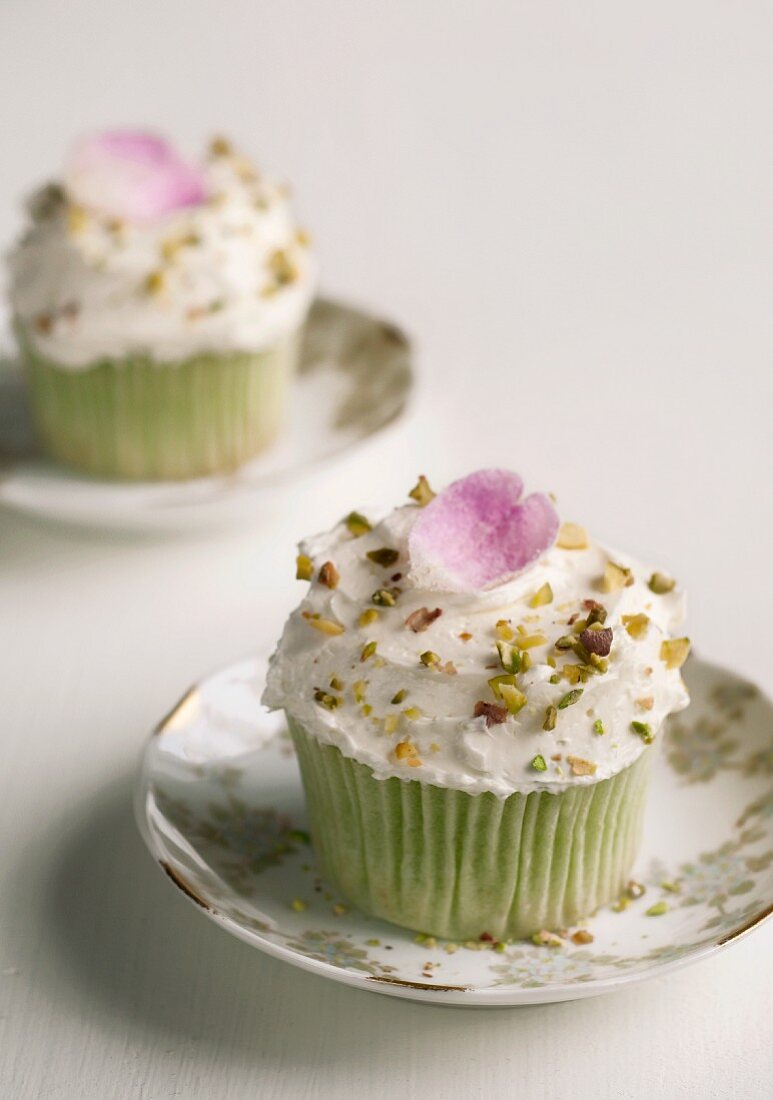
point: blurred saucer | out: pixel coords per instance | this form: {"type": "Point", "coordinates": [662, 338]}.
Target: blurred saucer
{"type": "Point", "coordinates": [354, 380]}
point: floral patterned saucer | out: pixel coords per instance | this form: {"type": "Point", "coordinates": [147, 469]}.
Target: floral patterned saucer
{"type": "Point", "coordinates": [220, 805]}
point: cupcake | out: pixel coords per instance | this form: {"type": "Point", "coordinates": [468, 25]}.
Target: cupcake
{"type": "Point", "coordinates": [476, 692]}
{"type": "Point", "coordinates": [158, 305]}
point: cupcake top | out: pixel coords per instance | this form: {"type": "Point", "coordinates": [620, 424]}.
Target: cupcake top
{"type": "Point", "coordinates": [140, 252]}
{"type": "Point", "coordinates": [472, 641]}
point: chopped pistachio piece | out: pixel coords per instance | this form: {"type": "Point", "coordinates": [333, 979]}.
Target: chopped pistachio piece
{"type": "Point", "coordinates": [422, 619]}
{"type": "Point", "coordinates": [657, 910]}
{"type": "Point", "coordinates": [513, 698]}
{"type": "Point", "coordinates": [504, 631]}
{"type": "Point", "coordinates": [572, 536]}
{"type": "Point", "coordinates": [496, 682]}
{"type": "Point", "coordinates": [539, 764]}
{"type": "Point", "coordinates": [385, 597]}
{"type": "Point", "coordinates": [326, 626]}
{"type": "Point", "coordinates": [529, 641]}
{"type": "Point", "coordinates": [543, 938]}
{"type": "Point", "coordinates": [299, 905]}
{"type": "Point", "coordinates": [616, 577]}
{"type": "Point", "coordinates": [398, 696]}
{"type": "Point", "coordinates": [390, 723]}
{"type": "Point", "coordinates": [429, 658]}
{"type": "Point", "coordinates": [368, 650]}
{"type": "Point", "coordinates": [304, 568]}
{"type": "Point", "coordinates": [466, 636]}
{"type": "Point", "coordinates": [368, 616]}
{"type": "Point", "coordinates": [570, 698]}
{"type": "Point", "coordinates": [509, 657]}
{"type": "Point", "coordinates": [551, 714]}
{"type": "Point", "coordinates": [336, 684]}
{"type": "Point", "coordinates": [358, 690]}
{"type": "Point", "coordinates": [580, 766]}
{"type": "Point", "coordinates": [674, 651]}
{"type": "Point", "coordinates": [357, 524]}
{"type": "Point", "coordinates": [412, 713]}
{"type": "Point", "coordinates": [598, 727]}
{"type": "Point", "coordinates": [635, 889]}
{"type": "Point", "coordinates": [542, 596]}
{"type": "Point", "coordinates": [421, 492]}
{"type": "Point", "coordinates": [660, 584]}
{"type": "Point", "coordinates": [554, 679]}
{"type": "Point", "coordinates": [155, 282]}
{"type": "Point", "coordinates": [329, 575]}
{"type": "Point", "coordinates": [329, 702]}
{"type": "Point", "coordinates": [644, 731]}
{"type": "Point", "coordinates": [597, 614]}
{"type": "Point", "coordinates": [404, 750]}
{"type": "Point", "coordinates": [385, 557]}
{"type": "Point", "coordinates": [636, 625]}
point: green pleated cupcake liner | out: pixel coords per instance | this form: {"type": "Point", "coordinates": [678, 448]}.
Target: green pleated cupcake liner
{"type": "Point", "coordinates": [138, 419]}
{"type": "Point", "coordinates": [456, 865]}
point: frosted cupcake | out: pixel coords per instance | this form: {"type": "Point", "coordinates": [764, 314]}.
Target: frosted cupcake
{"type": "Point", "coordinates": [475, 692]}
{"type": "Point", "coordinates": [158, 305]}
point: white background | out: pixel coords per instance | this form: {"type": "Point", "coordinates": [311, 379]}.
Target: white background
{"type": "Point", "coordinates": [568, 206]}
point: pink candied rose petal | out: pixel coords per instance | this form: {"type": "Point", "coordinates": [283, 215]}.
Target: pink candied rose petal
{"type": "Point", "coordinates": [131, 175]}
{"type": "Point", "coordinates": [479, 532]}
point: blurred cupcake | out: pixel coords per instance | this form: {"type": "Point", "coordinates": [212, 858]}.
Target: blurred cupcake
{"type": "Point", "coordinates": [158, 304]}
{"type": "Point", "coordinates": [475, 693]}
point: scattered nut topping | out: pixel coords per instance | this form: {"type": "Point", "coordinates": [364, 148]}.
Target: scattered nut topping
{"type": "Point", "coordinates": [390, 723]}
{"type": "Point", "coordinates": [634, 889]}
{"type": "Point", "coordinates": [385, 597]}
{"type": "Point", "coordinates": [398, 696]}
{"type": "Point", "coordinates": [647, 702]}
{"type": "Point", "coordinates": [466, 636]}
{"type": "Point", "coordinates": [329, 575]}
{"type": "Point", "coordinates": [509, 657]}
{"type": "Point", "coordinates": [449, 668]}
{"type": "Point", "coordinates": [616, 577]}
{"type": "Point", "coordinates": [421, 619]}
{"type": "Point", "coordinates": [155, 282]}
{"type": "Point", "coordinates": [513, 698]}
{"type": "Point", "coordinates": [326, 626]}
{"type": "Point", "coordinates": [657, 910]}
{"type": "Point", "coordinates": [529, 641]}
{"type": "Point", "coordinates": [358, 690]}
{"type": "Point", "coordinates": [581, 936]}
{"type": "Point", "coordinates": [493, 714]}
{"type": "Point", "coordinates": [551, 715]}
{"type": "Point", "coordinates": [636, 625]}
{"type": "Point", "coordinates": [598, 727]}
{"type": "Point", "coordinates": [580, 766]}
{"type": "Point", "coordinates": [570, 698]}
{"type": "Point", "coordinates": [368, 650]}
{"type": "Point", "coordinates": [421, 492]}
{"type": "Point", "coordinates": [385, 557]}
{"type": "Point", "coordinates": [597, 641]}
{"type": "Point", "coordinates": [282, 268]}
{"type": "Point", "coordinates": [674, 651]}
{"type": "Point", "coordinates": [369, 615]}
{"type": "Point", "coordinates": [644, 731]}
{"type": "Point", "coordinates": [660, 584]}
{"type": "Point", "coordinates": [357, 524]}
{"type": "Point", "coordinates": [405, 750]}
{"type": "Point", "coordinates": [597, 613]}
{"type": "Point", "coordinates": [544, 938]}
{"type": "Point", "coordinates": [298, 905]}
{"type": "Point", "coordinates": [220, 147]}
{"type": "Point", "coordinates": [542, 596]}
{"type": "Point", "coordinates": [539, 764]}
{"type": "Point", "coordinates": [412, 713]}
{"type": "Point", "coordinates": [336, 684]}
{"type": "Point", "coordinates": [504, 631]}
{"type": "Point", "coordinates": [429, 658]}
{"type": "Point", "coordinates": [572, 536]}
{"type": "Point", "coordinates": [329, 702]}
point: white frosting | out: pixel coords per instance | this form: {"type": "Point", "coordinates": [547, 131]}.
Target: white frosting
{"type": "Point", "coordinates": [85, 287]}
{"type": "Point", "coordinates": [457, 750]}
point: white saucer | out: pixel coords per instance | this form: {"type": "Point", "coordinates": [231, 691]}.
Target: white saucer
{"type": "Point", "coordinates": [355, 379]}
{"type": "Point", "coordinates": [220, 805]}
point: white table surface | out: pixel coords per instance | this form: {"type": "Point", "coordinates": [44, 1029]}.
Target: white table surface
{"type": "Point", "coordinates": [569, 207]}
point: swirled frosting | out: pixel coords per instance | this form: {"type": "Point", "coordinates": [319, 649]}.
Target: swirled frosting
{"type": "Point", "coordinates": [403, 701]}
{"type": "Point", "coordinates": [230, 273]}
